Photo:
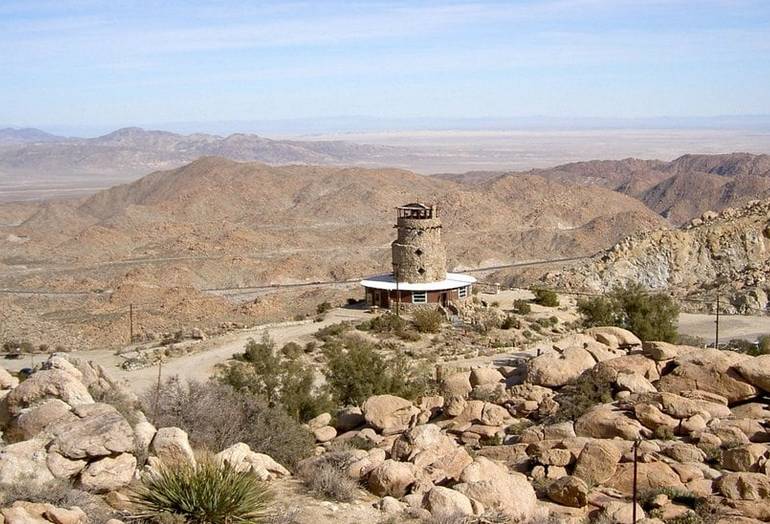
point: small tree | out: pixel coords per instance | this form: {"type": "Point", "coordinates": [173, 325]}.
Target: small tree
{"type": "Point", "coordinates": [651, 316]}
{"type": "Point", "coordinates": [546, 297]}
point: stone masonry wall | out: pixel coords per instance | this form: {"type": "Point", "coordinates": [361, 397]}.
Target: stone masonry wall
{"type": "Point", "coordinates": [418, 253]}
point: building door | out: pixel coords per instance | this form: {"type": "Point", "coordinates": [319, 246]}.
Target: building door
{"type": "Point", "coordinates": [443, 299]}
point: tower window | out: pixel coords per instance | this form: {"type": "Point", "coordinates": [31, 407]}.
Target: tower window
{"type": "Point", "coordinates": [421, 271]}
{"type": "Point", "coordinates": [418, 252]}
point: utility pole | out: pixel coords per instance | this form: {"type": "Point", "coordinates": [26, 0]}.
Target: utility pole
{"type": "Point", "coordinates": [716, 324]}
{"type": "Point", "coordinates": [398, 292]}
{"type": "Point", "coordinates": [131, 323]}
{"type": "Point", "coordinates": [157, 389]}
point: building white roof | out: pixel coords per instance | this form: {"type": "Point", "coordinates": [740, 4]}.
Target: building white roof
{"type": "Point", "coordinates": [386, 281]}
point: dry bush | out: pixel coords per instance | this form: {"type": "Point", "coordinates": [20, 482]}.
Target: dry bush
{"type": "Point", "coordinates": [216, 416]}
{"type": "Point", "coordinates": [327, 476]}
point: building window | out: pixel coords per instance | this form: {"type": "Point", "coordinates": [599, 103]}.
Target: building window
{"type": "Point", "coordinates": [419, 297]}
{"type": "Point", "coordinates": [462, 292]}
{"type": "Point", "coordinates": [418, 252]}
{"type": "Point", "coordinates": [421, 271]}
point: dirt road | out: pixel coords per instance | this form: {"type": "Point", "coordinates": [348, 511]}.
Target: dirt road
{"type": "Point", "coordinates": [730, 326]}
{"type": "Point", "coordinates": [201, 365]}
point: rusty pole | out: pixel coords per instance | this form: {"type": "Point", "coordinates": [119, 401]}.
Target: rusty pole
{"type": "Point", "coordinates": [636, 461]}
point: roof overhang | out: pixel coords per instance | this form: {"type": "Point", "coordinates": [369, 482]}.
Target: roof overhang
{"type": "Point", "coordinates": [386, 281]}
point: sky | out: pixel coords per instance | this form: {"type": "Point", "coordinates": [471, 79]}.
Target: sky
{"type": "Point", "coordinates": [114, 63]}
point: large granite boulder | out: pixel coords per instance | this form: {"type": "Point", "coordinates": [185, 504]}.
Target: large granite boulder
{"type": "Point", "coordinates": [389, 414]}
{"type": "Point", "coordinates": [45, 385]}
{"type": "Point", "coordinates": [99, 431]}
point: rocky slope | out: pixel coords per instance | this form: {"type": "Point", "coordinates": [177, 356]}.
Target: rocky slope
{"type": "Point", "coordinates": [729, 250]}
{"type": "Point", "coordinates": [517, 443]}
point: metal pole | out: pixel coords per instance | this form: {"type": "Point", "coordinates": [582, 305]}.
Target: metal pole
{"type": "Point", "coordinates": [130, 323]}
{"type": "Point", "coordinates": [636, 461]}
{"type": "Point", "coordinates": [398, 292]}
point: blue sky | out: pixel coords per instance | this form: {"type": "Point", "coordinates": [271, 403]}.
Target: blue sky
{"type": "Point", "coordinates": [110, 63]}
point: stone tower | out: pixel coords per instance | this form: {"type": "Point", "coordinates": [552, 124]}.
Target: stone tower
{"type": "Point", "coordinates": [418, 253]}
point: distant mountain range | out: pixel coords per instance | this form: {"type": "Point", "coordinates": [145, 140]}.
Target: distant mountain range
{"type": "Point", "coordinates": [137, 151]}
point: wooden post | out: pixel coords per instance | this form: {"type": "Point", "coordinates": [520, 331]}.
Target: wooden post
{"type": "Point", "coordinates": [716, 324]}
{"type": "Point", "coordinates": [157, 390]}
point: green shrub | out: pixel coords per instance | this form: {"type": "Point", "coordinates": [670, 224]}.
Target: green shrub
{"type": "Point", "coordinates": [546, 297]}
{"type": "Point", "coordinates": [206, 493]}
{"type": "Point", "coordinates": [592, 387]}
{"type": "Point", "coordinates": [291, 350]}
{"type": "Point", "coordinates": [651, 316]}
{"type": "Point", "coordinates": [333, 330]}
{"type": "Point", "coordinates": [427, 320]}
{"type": "Point", "coordinates": [521, 307]}
{"type": "Point", "coordinates": [323, 307]}
{"type": "Point", "coordinates": [355, 372]}
{"type": "Point", "coordinates": [510, 322]}
{"type": "Point", "coordinates": [216, 416]}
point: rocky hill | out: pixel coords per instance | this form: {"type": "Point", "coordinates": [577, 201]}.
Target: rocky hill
{"type": "Point", "coordinates": [729, 250]}
{"type": "Point", "coordinates": [218, 223]}
{"type": "Point", "coordinates": [678, 190]}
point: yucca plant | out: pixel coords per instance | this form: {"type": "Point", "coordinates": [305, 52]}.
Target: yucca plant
{"type": "Point", "coordinates": [206, 493]}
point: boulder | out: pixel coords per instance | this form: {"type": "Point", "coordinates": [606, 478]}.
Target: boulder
{"type": "Point", "coordinates": [653, 418]}
{"type": "Point", "coordinates": [614, 336]}
{"type": "Point", "coordinates": [324, 434]}
{"type": "Point", "coordinates": [709, 370]}
{"type": "Point", "coordinates": [392, 478]}
{"type": "Point", "coordinates": [361, 468]}
{"type": "Point", "coordinates": [552, 370]}
{"type": "Point", "coordinates": [436, 456]}
{"type": "Point", "coordinates": [389, 414]}
{"type": "Point", "coordinates": [444, 503]}
{"type": "Point", "coordinates": [756, 371]}
{"type": "Point", "coordinates": [597, 462]}
{"type": "Point", "coordinates": [109, 473]}
{"type": "Point", "coordinates": [144, 432]}
{"type": "Point", "coordinates": [604, 421]}
{"type": "Point", "coordinates": [38, 419]}
{"type": "Point", "coordinates": [617, 512]}
{"type": "Point", "coordinates": [25, 462]}
{"type": "Point", "coordinates": [652, 475]}
{"type": "Point", "coordinates": [638, 364]}
{"type": "Point", "coordinates": [171, 445]}
{"type": "Point", "coordinates": [744, 457]}
{"type": "Point", "coordinates": [634, 383]}
{"type": "Point", "coordinates": [98, 431]}
{"type": "Point", "coordinates": [683, 452]}
{"type": "Point", "coordinates": [242, 458]}
{"type": "Point", "coordinates": [481, 469]}
{"type": "Point", "coordinates": [45, 385]}
{"type": "Point", "coordinates": [320, 421]}
{"type": "Point", "coordinates": [569, 491]}
{"type": "Point", "coordinates": [482, 376]}
{"type": "Point", "coordinates": [63, 468]}
{"type": "Point", "coordinates": [19, 515]}
{"type": "Point", "coordinates": [508, 493]}
{"type": "Point", "coordinates": [660, 351]}
{"type": "Point", "coordinates": [744, 486]}
{"type": "Point", "coordinates": [7, 381]}
{"type": "Point", "coordinates": [457, 384]}
{"type": "Point", "coordinates": [73, 515]}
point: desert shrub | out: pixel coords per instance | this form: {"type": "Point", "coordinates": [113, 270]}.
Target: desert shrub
{"type": "Point", "coordinates": [205, 493]}
{"type": "Point", "coordinates": [385, 323]}
{"type": "Point", "coordinates": [327, 476]}
{"type": "Point", "coordinates": [592, 387]}
{"type": "Point", "coordinates": [323, 307]}
{"type": "Point", "coordinates": [216, 416]}
{"type": "Point", "coordinates": [60, 493]}
{"type": "Point", "coordinates": [521, 307]}
{"type": "Point", "coordinates": [510, 322]}
{"type": "Point", "coordinates": [546, 297]}
{"type": "Point", "coordinates": [651, 316]}
{"type": "Point", "coordinates": [761, 347]}
{"type": "Point", "coordinates": [125, 403]}
{"type": "Point", "coordinates": [291, 350]}
{"type": "Point", "coordinates": [495, 304]}
{"type": "Point", "coordinates": [331, 331]}
{"type": "Point", "coordinates": [356, 371]}
{"type": "Point", "coordinates": [663, 433]}
{"type": "Point", "coordinates": [288, 383]}
{"type": "Point", "coordinates": [427, 320]}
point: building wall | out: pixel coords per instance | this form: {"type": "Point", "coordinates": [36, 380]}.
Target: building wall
{"type": "Point", "coordinates": [388, 299]}
{"type": "Point", "coordinates": [418, 253]}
